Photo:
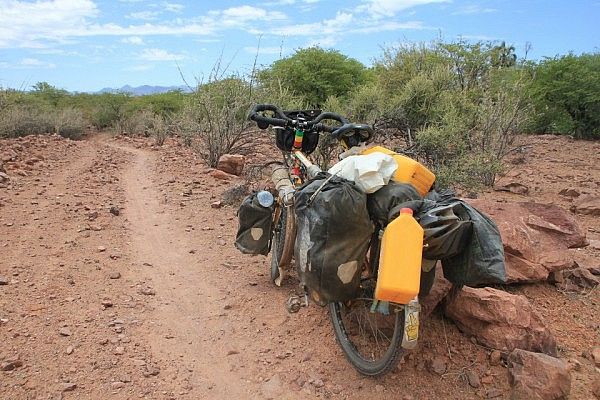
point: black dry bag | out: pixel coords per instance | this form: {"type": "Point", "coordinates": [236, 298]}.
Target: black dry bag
{"type": "Point", "coordinates": [254, 232]}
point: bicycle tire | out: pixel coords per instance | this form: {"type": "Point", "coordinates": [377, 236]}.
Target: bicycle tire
{"type": "Point", "coordinates": [277, 244]}
{"type": "Point", "coordinates": [282, 244]}
{"type": "Point", "coordinates": [375, 367]}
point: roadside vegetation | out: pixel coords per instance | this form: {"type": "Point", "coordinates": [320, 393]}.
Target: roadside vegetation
{"type": "Point", "coordinates": [457, 106]}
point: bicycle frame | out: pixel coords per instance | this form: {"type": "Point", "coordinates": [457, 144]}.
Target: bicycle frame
{"type": "Point", "coordinates": [286, 182]}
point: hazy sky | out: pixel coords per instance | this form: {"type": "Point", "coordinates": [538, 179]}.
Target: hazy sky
{"type": "Point", "coordinates": [85, 45]}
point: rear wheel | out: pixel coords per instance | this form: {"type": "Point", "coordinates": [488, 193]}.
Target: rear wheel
{"type": "Point", "coordinates": [370, 336]}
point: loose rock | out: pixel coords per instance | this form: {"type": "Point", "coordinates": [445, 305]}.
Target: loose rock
{"type": "Point", "coordinates": [569, 192]}
{"type": "Point", "coordinates": [437, 365]}
{"type": "Point", "coordinates": [538, 376]}
{"type": "Point", "coordinates": [473, 379]}
{"type": "Point", "coordinates": [441, 287]}
{"type": "Point", "coordinates": [499, 320]}
{"type": "Point", "coordinates": [148, 291]}
{"type": "Point", "coordinates": [495, 358]}
{"type": "Point", "coordinates": [231, 163]}
{"type": "Point", "coordinates": [64, 331]}
{"type": "Point", "coordinates": [218, 174]}
{"type": "Point", "coordinates": [69, 387]}
{"type": "Point", "coordinates": [535, 236]}
{"type": "Point", "coordinates": [114, 275]}
{"type": "Point", "coordinates": [588, 205]}
{"type": "Point", "coordinates": [9, 365]}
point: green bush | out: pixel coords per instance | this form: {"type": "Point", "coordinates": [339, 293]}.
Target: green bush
{"type": "Point", "coordinates": [314, 74]}
{"type": "Point", "coordinates": [566, 96]}
{"type": "Point", "coordinates": [69, 123]}
{"type": "Point", "coordinates": [19, 120]}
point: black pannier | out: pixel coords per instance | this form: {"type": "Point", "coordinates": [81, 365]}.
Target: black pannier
{"type": "Point", "coordinates": [254, 232]}
{"type": "Point", "coordinates": [389, 198]}
{"type": "Point", "coordinates": [333, 235]}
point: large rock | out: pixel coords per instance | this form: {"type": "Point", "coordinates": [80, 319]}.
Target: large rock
{"type": "Point", "coordinates": [574, 279]}
{"type": "Point", "coordinates": [538, 376]}
{"type": "Point", "coordinates": [589, 205]}
{"type": "Point", "coordinates": [499, 320]}
{"type": "Point", "coordinates": [535, 236]}
{"type": "Point", "coordinates": [231, 163]}
{"type": "Point", "coordinates": [440, 288]}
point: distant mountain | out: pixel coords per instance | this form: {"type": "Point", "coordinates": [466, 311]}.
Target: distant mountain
{"type": "Point", "coordinates": [145, 89]}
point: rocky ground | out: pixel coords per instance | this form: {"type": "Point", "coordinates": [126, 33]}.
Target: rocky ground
{"type": "Point", "coordinates": [118, 279]}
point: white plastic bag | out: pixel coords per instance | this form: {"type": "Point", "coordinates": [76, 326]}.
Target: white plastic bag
{"type": "Point", "coordinates": [370, 172]}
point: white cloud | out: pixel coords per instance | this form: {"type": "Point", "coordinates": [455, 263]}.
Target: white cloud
{"type": "Point", "coordinates": [326, 27]}
{"type": "Point", "coordinates": [173, 7]}
{"type": "Point", "coordinates": [28, 63]}
{"type": "Point", "coordinates": [133, 40]}
{"type": "Point", "coordinates": [160, 55]}
{"type": "Point", "coordinates": [391, 26]}
{"type": "Point", "coordinates": [389, 8]}
{"type": "Point", "coordinates": [144, 15]}
{"type": "Point", "coordinates": [328, 41]}
{"type": "Point", "coordinates": [144, 67]}
{"type": "Point", "coordinates": [473, 9]}
{"type": "Point", "coordinates": [239, 16]}
{"type": "Point", "coordinates": [45, 22]}
{"type": "Point", "coordinates": [24, 23]}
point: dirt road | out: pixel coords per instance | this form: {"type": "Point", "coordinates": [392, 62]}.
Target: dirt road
{"type": "Point", "coordinates": [122, 282]}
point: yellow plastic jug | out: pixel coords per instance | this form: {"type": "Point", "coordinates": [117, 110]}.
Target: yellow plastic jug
{"type": "Point", "coordinates": [409, 170]}
{"type": "Point", "coordinates": [400, 260]}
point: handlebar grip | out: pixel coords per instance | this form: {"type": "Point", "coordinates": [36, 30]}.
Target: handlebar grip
{"type": "Point", "coordinates": [330, 115]}
{"type": "Point", "coordinates": [255, 116]}
{"type": "Point", "coordinates": [342, 130]}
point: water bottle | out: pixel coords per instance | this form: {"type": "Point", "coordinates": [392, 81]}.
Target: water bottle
{"type": "Point", "coordinates": [265, 198]}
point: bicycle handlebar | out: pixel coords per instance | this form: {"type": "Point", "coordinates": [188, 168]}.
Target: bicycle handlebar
{"type": "Point", "coordinates": [254, 115]}
{"type": "Point", "coordinates": [347, 129]}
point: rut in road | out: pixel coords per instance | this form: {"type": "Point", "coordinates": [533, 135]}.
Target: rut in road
{"type": "Point", "coordinates": [184, 324]}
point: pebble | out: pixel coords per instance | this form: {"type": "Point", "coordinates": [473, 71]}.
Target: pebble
{"type": "Point", "coordinates": [69, 387]}
{"type": "Point", "coordinates": [101, 249]}
{"type": "Point", "coordinates": [495, 357]}
{"type": "Point", "coordinates": [4, 280]}
{"type": "Point", "coordinates": [70, 350]}
{"type": "Point", "coordinates": [151, 371]}
{"type": "Point", "coordinates": [64, 332]}
{"type": "Point", "coordinates": [119, 350]}
{"type": "Point", "coordinates": [9, 365]}
{"type": "Point", "coordinates": [117, 385]}
{"type": "Point", "coordinates": [493, 393]}
{"type": "Point", "coordinates": [437, 365]}
{"type": "Point", "coordinates": [148, 291]}
{"type": "Point", "coordinates": [473, 379]}
{"type": "Point", "coordinates": [114, 275]}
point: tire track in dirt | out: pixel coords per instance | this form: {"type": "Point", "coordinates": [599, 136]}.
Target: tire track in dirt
{"type": "Point", "coordinates": [185, 323]}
